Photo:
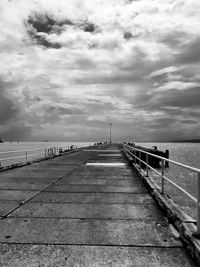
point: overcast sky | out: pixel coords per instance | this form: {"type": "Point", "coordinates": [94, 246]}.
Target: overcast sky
{"type": "Point", "coordinates": [69, 67]}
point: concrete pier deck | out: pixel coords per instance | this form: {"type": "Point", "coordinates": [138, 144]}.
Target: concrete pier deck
{"type": "Point", "coordinates": [83, 209]}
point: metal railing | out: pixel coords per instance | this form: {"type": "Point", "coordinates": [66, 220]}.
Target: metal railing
{"type": "Point", "coordinates": [22, 156]}
{"type": "Point", "coordinates": [132, 152]}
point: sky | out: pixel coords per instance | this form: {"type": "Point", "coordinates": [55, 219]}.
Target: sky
{"type": "Point", "coordinates": [70, 67]}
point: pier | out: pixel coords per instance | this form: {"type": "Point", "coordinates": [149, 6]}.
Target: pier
{"type": "Point", "coordinates": [87, 208]}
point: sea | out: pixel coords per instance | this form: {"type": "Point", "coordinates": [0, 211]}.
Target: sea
{"type": "Point", "coordinates": [186, 153]}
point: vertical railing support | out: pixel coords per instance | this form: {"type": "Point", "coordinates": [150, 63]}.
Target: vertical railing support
{"type": "Point", "coordinates": [140, 159]}
{"type": "Point", "coordinates": [26, 156]}
{"type": "Point", "coordinates": [198, 205]}
{"type": "Point", "coordinates": [162, 173]}
{"type": "Point", "coordinates": [135, 156]}
{"type": "Point", "coordinates": [147, 168]}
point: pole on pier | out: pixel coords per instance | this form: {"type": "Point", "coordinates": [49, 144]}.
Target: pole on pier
{"type": "Point", "coordinates": [110, 124]}
{"type": "Point", "coordinates": [162, 173]}
{"type": "Point", "coordinates": [140, 159]}
{"type": "Point", "coordinates": [167, 156]}
{"type": "Point", "coordinates": [147, 168]}
{"type": "Point", "coordinates": [198, 206]}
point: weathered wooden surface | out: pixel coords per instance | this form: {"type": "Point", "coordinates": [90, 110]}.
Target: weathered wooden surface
{"type": "Point", "coordinates": [88, 215]}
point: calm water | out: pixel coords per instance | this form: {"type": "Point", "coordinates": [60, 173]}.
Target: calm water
{"type": "Point", "coordinates": [187, 153]}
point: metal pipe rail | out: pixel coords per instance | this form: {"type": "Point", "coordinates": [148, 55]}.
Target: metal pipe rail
{"type": "Point", "coordinates": [25, 154]}
{"type": "Point", "coordinates": [132, 152]}
{"type": "Point", "coordinates": [18, 151]}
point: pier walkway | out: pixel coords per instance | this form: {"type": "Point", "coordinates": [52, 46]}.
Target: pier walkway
{"type": "Point", "coordinates": [87, 208]}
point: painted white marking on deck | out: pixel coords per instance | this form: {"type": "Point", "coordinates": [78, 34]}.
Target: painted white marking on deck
{"type": "Point", "coordinates": [112, 164]}
{"type": "Point", "coordinates": [109, 155]}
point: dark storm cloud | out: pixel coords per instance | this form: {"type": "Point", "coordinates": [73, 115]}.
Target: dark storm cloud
{"type": "Point", "coordinates": [89, 27]}
{"type": "Point", "coordinates": [8, 109]}
{"type": "Point", "coordinates": [47, 24]}
{"type": "Point", "coordinates": [128, 35]}
{"type": "Point", "coordinates": [41, 26]}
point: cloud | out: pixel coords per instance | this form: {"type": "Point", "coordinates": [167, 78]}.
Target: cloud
{"type": "Point", "coordinates": [68, 68]}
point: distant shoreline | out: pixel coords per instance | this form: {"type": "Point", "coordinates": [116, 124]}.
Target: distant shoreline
{"type": "Point", "coordinates": [173, 141]}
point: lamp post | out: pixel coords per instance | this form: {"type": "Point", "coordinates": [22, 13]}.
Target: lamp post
{"type": "Point", "coordinates": [110, 124]}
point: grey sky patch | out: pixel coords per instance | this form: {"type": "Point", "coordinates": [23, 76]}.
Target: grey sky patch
{"type": "Point", "coordinates": [189, 121]}
{"type": "Point", "coordinates": [58, 110]}
{"type": "Point", "coordinates": [85, 63]}
{"type": "Point", "coordinates": [190, 52]}
{"type": "Point", "coordinates": [8, 108]}
{"type": "Point", "coordinates": [180, 98]}
{"type": "Point", "coordinates": [17, 132]}
{"type": "Point", "coordinates": [174, 39]}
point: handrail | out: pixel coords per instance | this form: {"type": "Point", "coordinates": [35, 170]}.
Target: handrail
{"type": "Point", "coordinates": [17, 151]}
{"type": "Point", "coordinates": [167, 179]}
{"type": "Point", "coordinates": [164, 178]}
{"type": "Point", "coordinates": [22, 156]}
{"type": "Point", "coordinates": [46, 151]}
{"type": "Point", "coordinates": [168, 160]}
{"type": "Point", "coordinates": [26, 154]}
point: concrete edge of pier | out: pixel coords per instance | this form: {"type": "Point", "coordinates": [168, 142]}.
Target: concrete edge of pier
{"type": "Point", "coordinates": [185, 227]}
{"type": "Point", "coordinates": [21, 164]}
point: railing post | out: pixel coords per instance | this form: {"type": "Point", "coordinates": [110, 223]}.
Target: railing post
{"type": "Point", "coordinates": [162, 173]}
{"type": "Point", "coordinates": [147, 168]}
{"type": "Point", "coordinates": [135, 156]}
{"type": "Point", "coordinates": [198, 205]}
{"type": "Point", "coordinates": [26, 155]}
{"type": "Point", "coordinates": [140, 159]}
